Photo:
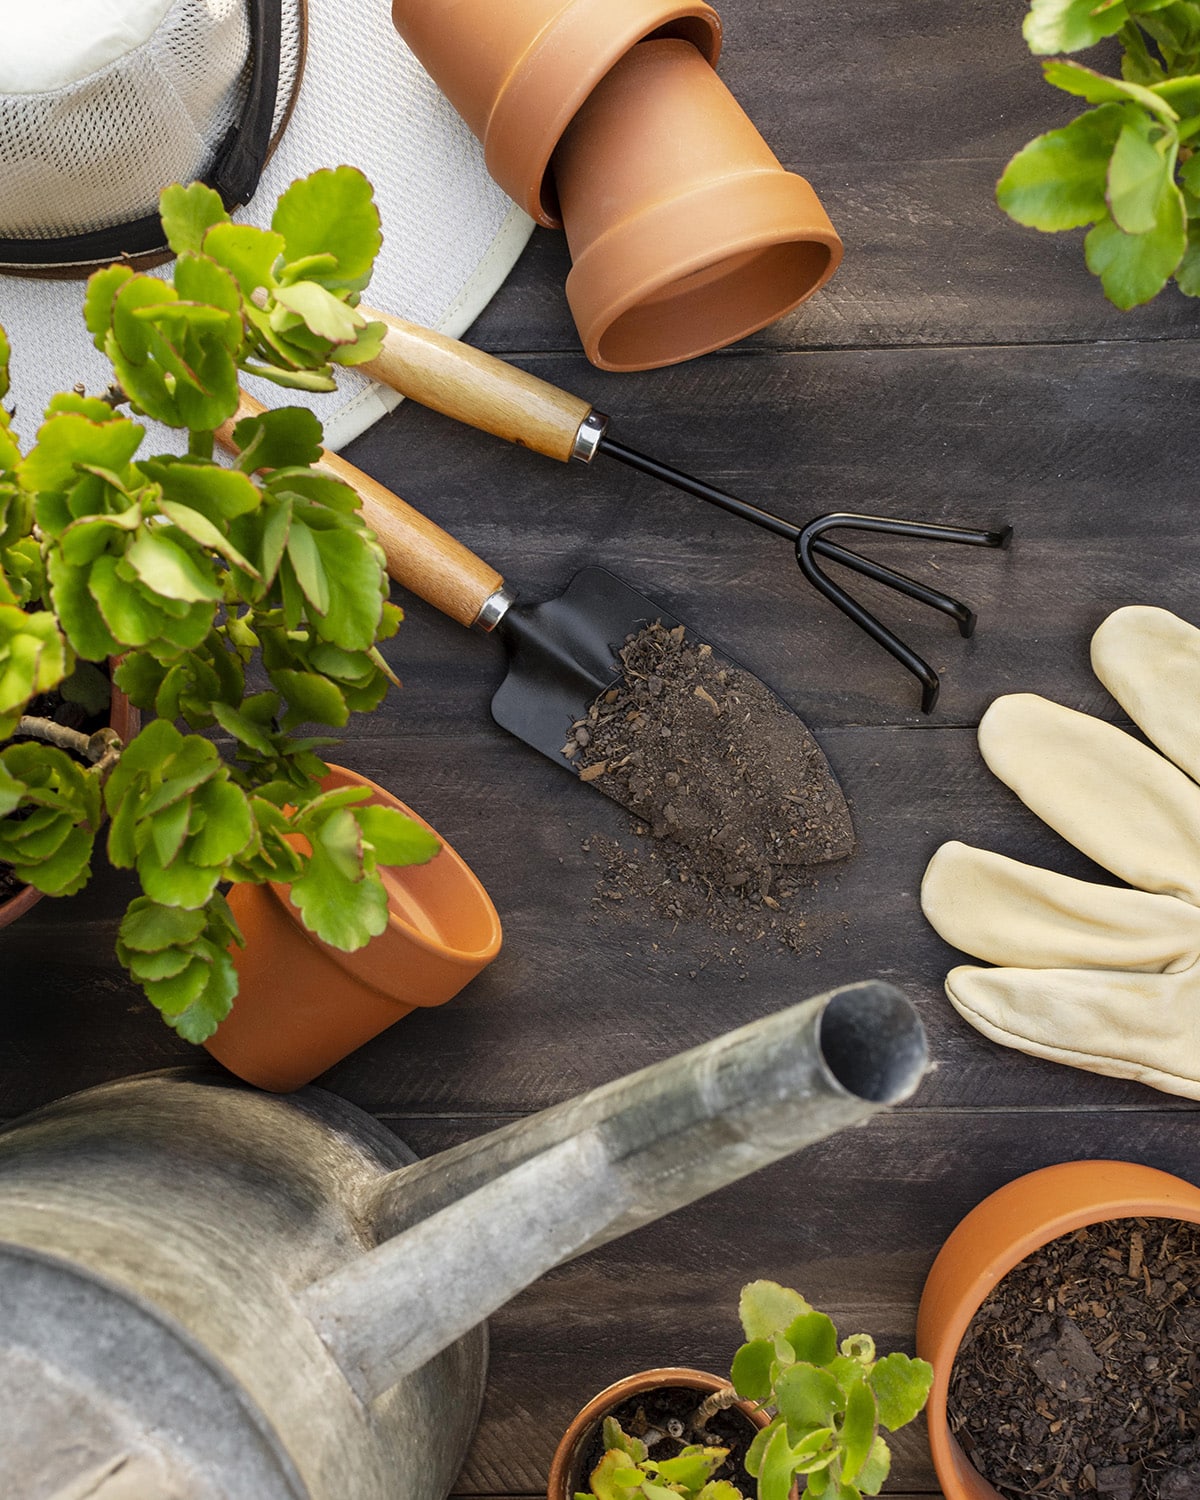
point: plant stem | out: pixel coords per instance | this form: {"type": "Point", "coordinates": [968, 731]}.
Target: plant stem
{"type": "Point", "coordinates": [711, 1405]}
{"type": "Point", "coordinates": [102, 749]}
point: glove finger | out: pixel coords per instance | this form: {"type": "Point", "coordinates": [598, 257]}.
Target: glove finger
{"type": "Point", "coordinates": [1144, 1027]}
{"type": "Point", "coordinates": [1149, 660]}
{"type": "Point", "coordinates": [1117, 800]}
{"type": "Point", "coordinates": [1005, 912]}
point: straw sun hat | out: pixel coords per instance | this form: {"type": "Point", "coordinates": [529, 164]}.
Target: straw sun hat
{"type": "Point", "coordinates": [104, 102]}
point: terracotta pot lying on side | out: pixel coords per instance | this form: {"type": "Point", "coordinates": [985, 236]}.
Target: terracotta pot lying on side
{"type": "Point", "coordinates": [518, 70]}
{"type": "Point", "coordinates": [302, 1005]}
{"type": "Point", "coordinates": [995, 1237]}
{"type": "Point", "coordinates": [567, 1475]}
{"type": "Point", "coordinates": [686, 232]}
{"type": "Point", "coordinates": [126, 720]}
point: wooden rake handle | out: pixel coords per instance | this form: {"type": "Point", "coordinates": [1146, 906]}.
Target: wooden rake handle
{"type": "Point", "coordinates": [421, 557]}
{"type": "Point", "coordinates": [476, 388]}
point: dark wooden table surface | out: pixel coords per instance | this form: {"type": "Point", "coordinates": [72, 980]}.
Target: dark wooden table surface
{"type": "Point", "coordinates": [956, 369]}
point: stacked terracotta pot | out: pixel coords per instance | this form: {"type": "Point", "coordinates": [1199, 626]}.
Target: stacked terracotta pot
{"type": "Point", "coordinates": [606, 118]}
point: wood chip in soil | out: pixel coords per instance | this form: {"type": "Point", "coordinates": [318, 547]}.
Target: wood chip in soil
{"type": "Point", "coordinates": [734, 793]}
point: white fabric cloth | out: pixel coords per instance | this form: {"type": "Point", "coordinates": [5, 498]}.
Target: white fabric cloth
{"type": "Point", "coordinates": [52, 43]}
{"type": "Point", "coordinates": [450, 235]}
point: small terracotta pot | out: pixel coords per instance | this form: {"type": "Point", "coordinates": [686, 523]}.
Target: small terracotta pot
{"type": "Point", "coordinates": [517, 70]}
{"type": "Point", "coordinates": [126, 720]}
{"type": "Point", "coordinates": [566, 1468]}
{"type": "Point", "coordinates": [996, 1236]}
{"type": "Point", "coordinates": [302, 1005]}
{"type": "Point", "coordinates": [685, 231]}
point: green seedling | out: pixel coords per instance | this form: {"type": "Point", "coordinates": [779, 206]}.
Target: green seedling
{"type": "Point", "coordinates": [1128, 166]}
{"type": "Point", "coordinates": [627, 1472]}
{"type": "Point", "coordinates": [827, 1402]}
{"type": "Point", "coordinates": [246, 600]}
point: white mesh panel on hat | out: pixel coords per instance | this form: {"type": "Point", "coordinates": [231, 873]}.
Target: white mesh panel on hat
{"type": "Point", "coordinates": [450, 235]}
{"type": "Point", "coordinates": [97, 151]}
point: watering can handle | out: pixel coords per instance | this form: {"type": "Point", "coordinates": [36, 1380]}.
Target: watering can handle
{"type": "Point", "coordinates": [421, 557]}
{"type": "Point", "coordinates": [482, 391]}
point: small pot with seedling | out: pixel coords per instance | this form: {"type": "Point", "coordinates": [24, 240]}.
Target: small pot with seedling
{"type": "Point", "coordinates": [249, 600]}
{"type": "Point", "coordinates": [800, 1414]}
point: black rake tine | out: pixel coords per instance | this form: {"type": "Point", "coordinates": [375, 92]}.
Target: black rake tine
{"type": "Point", "coordinates": [901, 582]}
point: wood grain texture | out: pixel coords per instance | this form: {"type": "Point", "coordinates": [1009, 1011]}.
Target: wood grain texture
{"type": "Point", "coordinates": [472, 386]}
{"type": "Point", "coordinates": [958, 369]}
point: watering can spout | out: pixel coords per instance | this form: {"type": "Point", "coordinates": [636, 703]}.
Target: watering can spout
{"type": "Point", "coordinates": [463, 1232]}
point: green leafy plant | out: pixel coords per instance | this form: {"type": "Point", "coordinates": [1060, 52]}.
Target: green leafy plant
{"type": "Point", "coordinates": [247, 599]}
{"type": "Point", "coordinates": [627, 1472]}
{"type": "Point", "coordinates": [827, 1401]}
{"type": "Point", "coordinates": [1128, 166]}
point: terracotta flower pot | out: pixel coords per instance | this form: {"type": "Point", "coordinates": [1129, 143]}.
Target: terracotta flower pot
{"type": "Point", "coordinates": [302, 1005]}
{"type": "Point", "coordinates": [126, 720]}
{"type": "Point", "coordinates": [567, 1467]}
{"type": "Point", "coordinates": [685, 231]}
{"type": "Point", "coordinates": [996, 1236]}
{"type": "Point", "coordinates": [517, 70]}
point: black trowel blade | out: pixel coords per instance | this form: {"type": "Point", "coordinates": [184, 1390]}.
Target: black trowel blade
{"type": "Point", "coordinates": [564, 653]}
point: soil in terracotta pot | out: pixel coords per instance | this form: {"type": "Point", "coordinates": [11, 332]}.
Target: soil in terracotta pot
{"type": "Point", "coordinates": [663, 1420]}
{"type": "Point", "coordinates": [731, 789]}
{"type": "Point", "coordinates": [1081, 1374]}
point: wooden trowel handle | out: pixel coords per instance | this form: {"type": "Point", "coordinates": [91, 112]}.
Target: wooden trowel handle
{"type": "Point", "coordinates": [477, 388]}
{"type": "Point", "coordinates": [421, 557]}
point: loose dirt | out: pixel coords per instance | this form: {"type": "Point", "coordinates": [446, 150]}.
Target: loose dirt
{"type": "Point", "coordinates": [735, 796]}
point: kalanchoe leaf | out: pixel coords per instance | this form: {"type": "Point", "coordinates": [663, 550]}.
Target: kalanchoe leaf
{"type": "Point", "coordinates": [188, 213]}
{"type": "Point", "coordinates": [901, 1386]}
{"type": "Point", "coordinates": [1135, 267]}
{"type": "Point", "coordinates": [1188, 273]}
{"type": "Point", "coordinates": [858, 1429]}
{"type": "Point", "coordinates": [1059, 180]}
{"type": "Point", "coordinates": [278, 439]}
{"type": "Point", "coordinates": [807, 1397]}
{"type": "Point", "coordinates": [337, 898]}
{"type": "Point", "coordinates": [148, 927]}
{"type": "Point", "coordinates": [172, 570]}
{"type": "Point", "coordinates": [754, 1454]}
{"type": "Point", "coordinates": [875, 1470]}
{"type": "Point", "coordinates": [766, 1308]}
{"type": "Point", "coordinates": [368, 345]}
{"type": "Point", "coordinates": [1098, 88]}
{"type": "Point", "coordinates": [323, 313]}
{"type": "Point", "coordinates": [68, 439]}
{"type": "Point", "coordinates": [751, 1369]}
{"type": "Point", "coordinates": [331, 213]}
{"type": "Point", "coordinates": [859, 1347]}
{"type": "Point", "coordinates": [1070, 25]}
{"type": "Point", "coordinates": [813, 1337]}
{"type": "Point", "coordinates": [102, 288]}
{"type": "Point", "coordinates": [1139, 174]}
{"type": "Point", "coordinates": [249, 254]}
{"type": "Point", "coordinates": [775, 1474]}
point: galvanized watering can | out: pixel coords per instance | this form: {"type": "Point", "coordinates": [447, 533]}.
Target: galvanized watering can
{"type": "Point", "coordinates": [208, 1292]}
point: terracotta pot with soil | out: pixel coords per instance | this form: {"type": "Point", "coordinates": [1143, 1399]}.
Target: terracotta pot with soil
{"type": "Point", "coordinates": [1028, 1249]}
{"type": "Point", "coordinates": [664, 1401]}
{"type": "Point", "coordinates": [686, 232]}
{"type": "Point", "coordinates": [17, 898]}
{"type": "Point", "coordinates": [517, 72]}
{"type": "Point", "coordinates": [302, 1005]}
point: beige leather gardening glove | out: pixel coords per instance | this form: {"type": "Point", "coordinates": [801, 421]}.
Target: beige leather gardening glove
{"type": "Point", "coordinates": [1105, 978]}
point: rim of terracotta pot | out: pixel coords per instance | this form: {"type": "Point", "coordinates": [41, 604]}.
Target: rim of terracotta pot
{"type": "Point", "coordinates": [126, 720]}
{"type": "Point", "coordinates": [537, 103]}
{"type": "Point", "coordinates": [764, 268]}
{"type": "Point", "coordinates": [996, 1236]}
{"type": "Point", "coordinates": [400, 931]}
{"type": "Point", "coordinates": [574, 1439]}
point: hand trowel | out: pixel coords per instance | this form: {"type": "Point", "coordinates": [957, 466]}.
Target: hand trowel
{"type": "Point", "coordinates": [562, 652]}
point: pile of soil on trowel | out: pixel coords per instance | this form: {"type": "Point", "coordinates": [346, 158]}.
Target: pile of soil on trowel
{"type": "Point", "coordinates": [729, 784]}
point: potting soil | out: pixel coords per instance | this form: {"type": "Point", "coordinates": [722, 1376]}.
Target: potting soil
{"type": "Point", "coordinates": [1081, 1373]}
{"type": "Point", "coordinates": [664, 1419]}
{"type": "Point", "coordinates": [733, 791]}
